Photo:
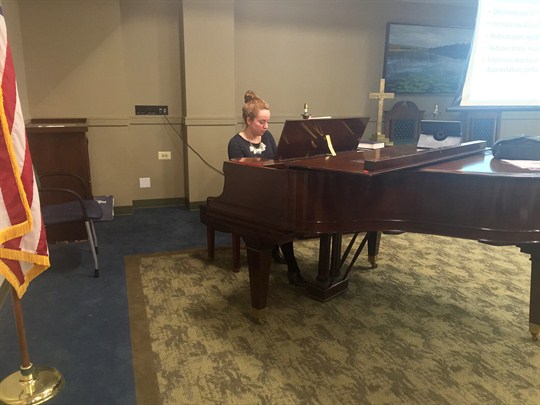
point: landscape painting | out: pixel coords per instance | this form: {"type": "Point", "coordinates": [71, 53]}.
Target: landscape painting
{"type": "Point", "coordinates": [422, 59]}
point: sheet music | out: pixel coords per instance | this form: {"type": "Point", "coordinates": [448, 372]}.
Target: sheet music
{"type": "Point", "coordinates": [524, 164]}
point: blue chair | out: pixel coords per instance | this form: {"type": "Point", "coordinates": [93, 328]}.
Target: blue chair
{"type": "Point", "coordinates": [62, 205]}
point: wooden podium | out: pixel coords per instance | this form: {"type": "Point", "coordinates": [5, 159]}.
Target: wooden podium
{"type": "Point", "coordinates": [61, 145]}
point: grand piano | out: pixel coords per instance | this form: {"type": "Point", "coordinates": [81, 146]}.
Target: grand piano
{"type": "Point", "coordinates": [459, 191]}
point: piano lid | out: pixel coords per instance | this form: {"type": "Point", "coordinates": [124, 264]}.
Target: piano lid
{"type": "Point", "coordinates": [301, 138]}
{"type": "Point", "coordinates": [378, 161]}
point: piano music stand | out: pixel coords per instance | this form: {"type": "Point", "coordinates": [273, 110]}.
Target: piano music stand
{"type": "Point", "coordinates": [301, 138]}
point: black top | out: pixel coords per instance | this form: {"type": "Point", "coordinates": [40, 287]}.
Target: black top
{"type": "Point", "coordinates": [238, 147]}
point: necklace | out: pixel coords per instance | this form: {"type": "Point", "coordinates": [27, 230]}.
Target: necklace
{"type": "Point", "coordinates": [257, 149]}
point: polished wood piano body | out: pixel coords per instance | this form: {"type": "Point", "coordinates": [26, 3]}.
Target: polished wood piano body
{"type": "Point", "coordinates": [457, 191]}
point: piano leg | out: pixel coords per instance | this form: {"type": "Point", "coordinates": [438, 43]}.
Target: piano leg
{"type": "Point", "coordinates": [374, 239]}
{"type": "Point", "coordinates": [210, 239]}
{"type": "Point", "coordinates": [259, 276]}
{"type": "Point", "coordinates": [328, 283]}
{"type": "Point", "coordinates": [534, 303]}
{"type": "Point", "coordinates": [323, 274]}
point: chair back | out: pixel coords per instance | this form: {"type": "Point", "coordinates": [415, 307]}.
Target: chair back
{"type": "Point", "coordinates": [402, 123]}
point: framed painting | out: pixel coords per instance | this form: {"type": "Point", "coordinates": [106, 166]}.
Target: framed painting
{"type": "Point", "coordinates": [423, 59]}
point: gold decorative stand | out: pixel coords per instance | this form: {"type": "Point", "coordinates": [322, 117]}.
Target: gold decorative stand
{"type": "Point", "coordinates": [305, 114]}
{"type": "Point", "coordinates": [31, 384]}
{"type": "Point", "coordinates": [381, 96]}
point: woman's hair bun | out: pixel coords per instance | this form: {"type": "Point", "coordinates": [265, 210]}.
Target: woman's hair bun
{"type": "Point", "coordinates": [252, 105]}
{"type": "Point", "coordinates": [249, 96]}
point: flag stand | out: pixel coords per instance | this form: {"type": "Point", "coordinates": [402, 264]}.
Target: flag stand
{"type": "Point", "coordinates": [31, 384]}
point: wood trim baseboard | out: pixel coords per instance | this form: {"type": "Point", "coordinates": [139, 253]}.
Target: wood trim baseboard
{"type": "Point", "coordinates": [153, 203]}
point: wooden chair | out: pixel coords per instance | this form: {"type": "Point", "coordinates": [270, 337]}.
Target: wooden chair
{"type": "Point", "coordinates": [62, 205]}
{"type": "Point", "coordinates": [402, 123]}
{"type": "Point", "coordinates": [481, 125]}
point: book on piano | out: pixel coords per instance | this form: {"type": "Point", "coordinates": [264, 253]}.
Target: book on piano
{"type": "Point", "coordinates": [370, 145]}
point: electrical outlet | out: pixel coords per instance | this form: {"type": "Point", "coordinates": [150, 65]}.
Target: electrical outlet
{"type": "Point", "coordinates": [164, 155]}
{"type": "Point", "coordinates": [144, 182]}
{"type": "Point", "coordinates": [151, 110]}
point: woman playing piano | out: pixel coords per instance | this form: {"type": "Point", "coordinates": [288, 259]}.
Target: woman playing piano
{"type": "Point", "coordinates": [256, 141]}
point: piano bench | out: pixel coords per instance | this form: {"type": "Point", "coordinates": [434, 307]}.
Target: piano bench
{"type": "Point", "coordinates": [211, 237]}
{"type": "Point", "coordinates": [210, 246]}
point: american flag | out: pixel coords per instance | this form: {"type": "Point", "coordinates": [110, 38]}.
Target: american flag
{"type": "Point", "coordinates": [23, 245]}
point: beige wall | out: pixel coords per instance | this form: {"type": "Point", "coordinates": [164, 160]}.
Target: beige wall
{"type": "Point", "coordinates": [97, 59]}
{"type": "Point", "coordinates": [11, 8]}
{"type": "Point", "coordinates": [208, 46]}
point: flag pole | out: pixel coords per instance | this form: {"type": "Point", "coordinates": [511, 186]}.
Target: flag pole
{"type": "Point", "coordinates": [21, 333]}
{"type": "Point", "coordinates": [31, 384]}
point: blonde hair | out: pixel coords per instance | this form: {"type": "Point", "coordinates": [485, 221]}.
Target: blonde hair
{"type": "Point", "coordinates": [252, 106]}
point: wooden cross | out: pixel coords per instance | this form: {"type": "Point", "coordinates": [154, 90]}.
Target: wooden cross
{"type": "Point", "coordinates": [381, 95]}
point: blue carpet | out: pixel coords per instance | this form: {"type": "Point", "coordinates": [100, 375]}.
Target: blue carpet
{"type": "Point", "coordinates": [79, 324]}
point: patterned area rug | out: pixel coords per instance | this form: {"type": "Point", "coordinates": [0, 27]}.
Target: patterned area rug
{"type": "Point", "coordinates": [440, 321]}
